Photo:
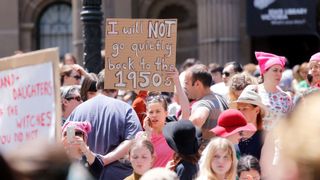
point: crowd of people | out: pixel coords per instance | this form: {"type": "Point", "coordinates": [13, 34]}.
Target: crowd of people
{"type": "Point", "coordinates": [222, 122]}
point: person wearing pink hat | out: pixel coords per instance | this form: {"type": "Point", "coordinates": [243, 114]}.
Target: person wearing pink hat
{"type": "Point", "coordinates": [313, 78]}
{"type": "Point", "coordinates": [233, 125]}
{"type": "Point", "coordinates": [314, 69]}
{"type": "Point", "coordinates": [77, 148]}
{"type": "Point", "coordinates": [278, 102]}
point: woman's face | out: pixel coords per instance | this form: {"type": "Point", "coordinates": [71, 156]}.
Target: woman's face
{"type": "Point", "coordinates": [250, 175]}
{"type": "Point", "coordinates": [221, 162]}
{"type": "Point", "coordinates": [314, 67]}
{"type": "Point", "coordinates": [73, 79]}
{"type": "Point", "coordinates": [273, 74]}
{"type": "Point", "coordinates": [157, 115]}
{"type": "Point", "coordinates": [141, 159]}
{"type": "Point", "coordinates": [249, 111]}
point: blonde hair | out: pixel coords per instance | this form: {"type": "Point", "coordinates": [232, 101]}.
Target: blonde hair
{"type": "Point", "coordinates": [208, 153]}
{"type": "Point", "coordinates": [142, 142]}
{"type": "Point", "coordinates": [299, 137]}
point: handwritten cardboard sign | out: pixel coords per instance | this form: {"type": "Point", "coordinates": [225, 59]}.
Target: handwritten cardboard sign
{"type": "Point", "coordinates": [138, 52]}
{"type": "Point", "coordinates": [29, 103]}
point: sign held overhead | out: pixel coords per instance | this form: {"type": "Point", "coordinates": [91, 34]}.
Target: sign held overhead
{"type": "Point", "coordinates": [139, 52]}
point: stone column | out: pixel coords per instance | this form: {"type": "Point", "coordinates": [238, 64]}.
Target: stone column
{"type": "Point", "coordinates": [218, 30]}
{"type": "Point", "coordinates": [91, 17]}
{"type": "Point", "coordinates": [77, 40]}
{"type": "Point", "coordinates": [9, 27]}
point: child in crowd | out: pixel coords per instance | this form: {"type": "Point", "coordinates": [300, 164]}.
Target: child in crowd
{"type": "Point", "coordinates": [77, 148]}
{"type": "Point", "coordinates": [219, 160]}
{"type": "Point", "coordinates": [141, 156]}
{"type": "Point", "coordinates": [185, 139]}
{"type": "Point", "coordinates": [248, 168]}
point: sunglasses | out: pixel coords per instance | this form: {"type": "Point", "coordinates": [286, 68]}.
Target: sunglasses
{"type": "Point", "coordinates": [77, 98]}
{"type": "Point", "coordinates": [227, 74]}
{"type": "Point", "coordinates": [77, 77]}
{"type": "Point", "coordinates": [156, 98]}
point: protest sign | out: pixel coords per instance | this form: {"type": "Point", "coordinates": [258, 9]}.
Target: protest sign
{"type": "Point", "coordinates": [30, 99]}
{"type": "Point", "coordinates": [139, 52]}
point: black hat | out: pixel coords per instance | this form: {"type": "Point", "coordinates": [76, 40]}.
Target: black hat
{"type": "Point", "coordinates": [183, 137]}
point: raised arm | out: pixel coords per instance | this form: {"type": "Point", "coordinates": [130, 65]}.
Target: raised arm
{"type": "Point", "coordinates": [182, 97]}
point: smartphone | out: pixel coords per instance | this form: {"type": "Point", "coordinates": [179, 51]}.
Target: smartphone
{"type": "Point", "coordinates": [70, 133]}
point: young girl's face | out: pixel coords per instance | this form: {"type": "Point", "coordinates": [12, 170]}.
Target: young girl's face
{"type": "Point", "coordinates": [221, 162]}
{"type": "Point", "coordinates": [141, 159]}
{"type": "Point", "coordinates": [157, 115]}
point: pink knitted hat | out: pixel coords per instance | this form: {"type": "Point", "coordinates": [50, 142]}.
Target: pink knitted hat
{"type": "Point", "coordinates": [266, 60]}
{"type": "Point", "coordinates": [84, 127]}
{"type": "Point", "coordinates": [315, 57]}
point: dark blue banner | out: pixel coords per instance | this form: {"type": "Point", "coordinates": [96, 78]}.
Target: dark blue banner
{"type": "Point", "coordinates": [281, 17]}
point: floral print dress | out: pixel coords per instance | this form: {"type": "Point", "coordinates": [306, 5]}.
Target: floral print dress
{"type": "Point", "coordinates": [279, 104]}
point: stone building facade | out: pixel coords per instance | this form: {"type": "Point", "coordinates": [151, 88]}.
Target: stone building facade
{"type": "Point", "coordinates": [208, 30]}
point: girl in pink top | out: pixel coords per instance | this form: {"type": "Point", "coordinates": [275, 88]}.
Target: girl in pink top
{"type": "Point", "coordinates": [153, 125]}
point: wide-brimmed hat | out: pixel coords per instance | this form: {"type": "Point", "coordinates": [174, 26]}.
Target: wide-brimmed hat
{"type": "Point", "coordinates": [232, 121]}
{"type": "Point", "coordinates": [183, 137]}
{"type": "Point", "coordinates": [250, 96]}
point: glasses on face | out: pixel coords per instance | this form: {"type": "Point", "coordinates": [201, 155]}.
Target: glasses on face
{"type": "Point", "coordinates": [314, 66]}
{"type": "Point", "coordinates": [77, 98]}
{"type": "Point", "coordinates": [77, 77]}
{"type": "Point", "coordinates": [227, 74]}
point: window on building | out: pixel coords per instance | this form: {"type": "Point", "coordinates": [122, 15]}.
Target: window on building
{"type": "Point", "coordinates": [55, 28]}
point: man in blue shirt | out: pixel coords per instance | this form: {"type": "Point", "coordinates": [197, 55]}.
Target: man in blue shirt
{"type": "Point", "coordinates": [114, 125]}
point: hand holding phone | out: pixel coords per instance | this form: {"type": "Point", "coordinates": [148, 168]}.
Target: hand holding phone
{"type": "Point", "coordinates": [70, 133]}
{"type": "Point", "coordinates": [147, 124]}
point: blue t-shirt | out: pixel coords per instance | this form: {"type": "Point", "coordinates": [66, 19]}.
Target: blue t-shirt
{"type": "Point", "coordinates": [112, 121]}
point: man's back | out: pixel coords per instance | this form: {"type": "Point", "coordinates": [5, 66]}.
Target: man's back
{"type": "Point", "coordinates": [113, 121]}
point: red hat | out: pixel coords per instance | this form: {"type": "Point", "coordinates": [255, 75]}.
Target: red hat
{"type": "Point", "coordinates": [266, 60]}
{"type": "Point", "coordinates": [230, 122]}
